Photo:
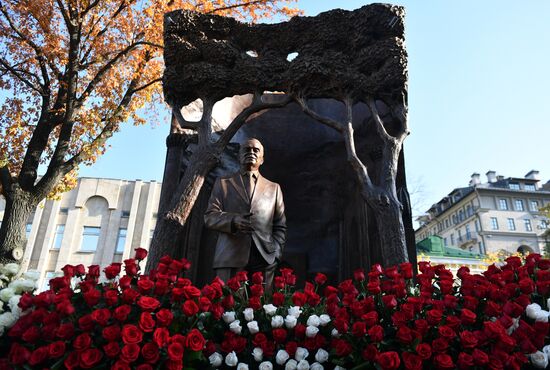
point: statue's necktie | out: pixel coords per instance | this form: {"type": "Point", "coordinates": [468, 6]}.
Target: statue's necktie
{"type": "Point", "coordinates": [250, 184]}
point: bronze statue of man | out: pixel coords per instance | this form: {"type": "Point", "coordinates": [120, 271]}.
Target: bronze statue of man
{"type": "Point", "coordinates": [248, 211]}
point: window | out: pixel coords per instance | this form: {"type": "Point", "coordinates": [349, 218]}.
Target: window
{"type": "Point", "coordinates": [468, 233]}
{"type": "Point", "coordinates": [446, 223]}
{"type": "Point", "coordinates": [528, 226]}
{"type": "Point", "coordinates": [513, 186]}
{"type": "Point", "coordinates": [519, 205]}
{"type": "Point", "coordinates": [477, 226]}
{"type": "Point", "coordinates": [445, 241]}
{"type": "Point", "coordinates": [90, 239]}
{"type": "Point", "coordinates": [59, 230]}
{"type": "Point", "coordinates": [459, 235]}
{"type": "Point", "coordinates": [511, 224]}
{"type": "Point", "coordinates": [469, 211]}
{"type": "Point", "coordinates": [125, 214]}
{"type": "Point", "coordinates": [494, 223]}
{"type": "Point", "coordinates": [121, 240]}
{"type": "Point", "coordinates": [480, 247]}
{"type": "Point", "coordinates": [503, 204]}
{"type": "Point", "coordinates": [63, 211]}
{"type": "Point", "coordinates": [452, 239]}
{"type": "Point", "coordinates": [530, 187]}
{"type": "Point", "coordinates": [461, 216]}
{"type": "Point", "coordinates": [454, 220]}
{"type": "Point", "coordinates": [28, 229]}
{"type": "Point", "coordinates": [534, 206]}
{"type": "Point", "coordinates": [46, 283]}
{"type": "Point", "coordinates": [543, 224]}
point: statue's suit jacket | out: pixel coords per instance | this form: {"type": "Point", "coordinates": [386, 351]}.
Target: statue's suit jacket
{"type": "Point", "coordinates": [229, 199]}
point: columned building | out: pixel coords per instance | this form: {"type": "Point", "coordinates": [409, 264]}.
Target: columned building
{"type": "Point", "coordinates": [99, 222]}
{"type": "Point", "coordinates": [500, 216]}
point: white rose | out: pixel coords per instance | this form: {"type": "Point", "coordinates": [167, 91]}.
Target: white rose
{"type": "Point", "coordinates": [7, 319]}
{"type": "Point", "coordinates": [20, 286]}
{"type": "Point", "coordinates": [6, 294]}
{"type": "Point", "coordinates": [311, 331]}
{"type": "Point", "coordinates": [215, 359]}
{"type": "Point", "coordinates": [324, 319]}
{"type": "Point", "coordinates": [236, 327]}
{"type": "Point", "coordinates": [546, 349]}
{"type": "Point", "coordinates": [32, 275]}
{"type": "Point", "coordinates": [266, 365]}
{"type": "Point", "coordinates": [290, 321]}
{"type": "Point", "coordinates": [302, 365]}
{"type": "Point", "coordinates": [270, 309]}
{"type": "Point", "coordinates": [339, 368]}
{"type": "Point", "coordinates": [231, 359]}
{"type": "Point", "coordinates": [294, 311]}
{"type": "Point", "coordinates": [228, 317]}
{"type": "Point", "coordinates": [242, 366]}
{"type": "Point", "coordinates": [316, 366]}
{"type": "Point", "coordinates": [313, 320]}
{"type": "Point", "coordinates": [258, 354]}
{"type": "Point", "coordinates": [531, 310]}
{"type": "Point", "coordinates": [253, 327]}
{"type": "Point", "coordinates": [335, 333]}
{"type": "Point", "coordinates": [248, 314]}
{"type": "Point", "coordinates": [500, 264]}
{"type": "Point", "coordinates": [301, 353]}
{"type": "Point", "coordinates": [277, 321]}
{"type": "Point", "coordinates": [542, 316]}
{"type": "Point", "coordinates": [539, 359]}
{"type": "Point", "coordinates": [282, 357]}
{"type": "Point", "coordinates": [321, 356]}
{"type": "Point", "coordinates": [11, 269]}
{"type": "Point", "coordinates": [291, 364]}
{"type": "Point", "coordinates": [13, 303]}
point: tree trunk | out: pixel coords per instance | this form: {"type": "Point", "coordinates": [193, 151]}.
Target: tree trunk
{"type": "Point", "coordinates": [19, 206]}
{"type": "Point", "coordinates": [391, 230]}
{"type": "Point", "coordinates": [170, 225]}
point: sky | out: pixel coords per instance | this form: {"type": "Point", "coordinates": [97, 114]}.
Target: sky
{"type": "Point", "coordinates": [479, 73]}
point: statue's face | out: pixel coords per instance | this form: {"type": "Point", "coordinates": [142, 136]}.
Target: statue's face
{"type": "Point", "coordinates": [251, 155]}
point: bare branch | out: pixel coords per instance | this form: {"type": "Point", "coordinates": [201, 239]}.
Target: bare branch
{"type": "Point", "coordinates": [240, 5]}
{"type": "Point", "coordinates": [142, 87]}
{"type": "Point", "coordinates": [64, 13]}
{"type": "Point", "coordinates": [90, 6]}
{"type": "Point", "coordinates": [17, 74]}
{"type": "Point", "coordinates": [256, 106]}
{"type": "Point", "coordinates": [322, 119]}
{"type": "Point", "coordinates": [182, 122]}
{"type": "Point", "coordinates": [378, 121]}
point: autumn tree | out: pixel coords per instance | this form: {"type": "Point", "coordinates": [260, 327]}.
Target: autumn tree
{"type": "Point", "coordinates": [71, 72]}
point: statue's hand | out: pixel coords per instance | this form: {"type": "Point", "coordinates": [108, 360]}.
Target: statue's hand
{"type": "Point", "coordinates": [243, 224]}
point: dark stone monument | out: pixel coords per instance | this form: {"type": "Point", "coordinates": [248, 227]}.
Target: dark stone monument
{"type": "Point", "coordinates": [331, 228]}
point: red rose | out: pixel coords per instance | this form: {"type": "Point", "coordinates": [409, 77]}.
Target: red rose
{"type": "Point", "coordinates": [527, 286]}
{"type": "Point", "coordinates": [412, 361]}
{"type": "Point", "coordinates": [31, 335]}
{"type": "Point", "coordinates": [359, 275]}
{"type": "Point", "coordinates": [111, 297]}
{"type": "Point", "coordinates": [359, 329]}
{"type": "Point", "coordinates": [279, 335]}
{"type": "Point", "coordinates": [144, 367]}
{"type": "Point", "coordinates": [204, 304]}
{"type": "Point", "coordinates": [258, 277]}
{"type": "Point", "coordinates": [148, 303]}
{"type": "Point", "coordinates": [141, 253]}
{"type": "Point", "coordinates": [259, 340]}
{"type": "Point", "coordinates": [446, 332]}
{"type": "Point", "coordinates": [190, 292]}
{"type": "Point", "coordinates": [468, 339]}
{"type": "Point", "coordinates": [161, 336]}
{"type": "Point", "coordinates": [440, 345]}
{"type": "Point", "coordinates": [111, 349]}
{"type": "Point", "coordinates": [92, 297]}
{"type": "Point", "coordinates": [83, 341]}
{"type": "Point", "coordinates": [434, 316]}
{"type": "Point", "coordinates": [93, 271]}
{"type": "Point", "coordinates": [291, 348]}
{"type": "Point", "coordinates": [190, 308]}
{"type": "Point", "coordinates": [342, 347]}
{"type": "Point", "coordinates": [443, 361]}
{"type": "Point", "coordinates": [39, 355]}
{"type": "Point", "coordinates": [131, 334]}
{"type": "Point", "coordinates": [146, 322]}
{"type": "Point", "coordinates": [90, 357]}
{"type": "Point", "coordinates": [389, 301]}
{"type": "Point", "coordinates": [370, 318]}
{"type": "Point", "coordinates": [112, 270]}
{"type": "Point", "coordinates": [256, 290]}
{"type": "Point", "coordinates": [145, 285]}
{"type": "Point", "coordinates": [300, 331]}
{"type": "Point", "coordinates": [18, 354]}
{"type": "Point", "coordinates": [121, 312]}
{"type": "Point", "coordinates": [111, 333]}
{"type": "Point", "coordinates": [228, 302]}
{"type": "Point", "coordinates": [299, 299]}
{"type": "Point", "coordinates": [374, 287]}
{"type": "Point", "coordinates": [130, 352]}
{"type": "Point", "coordinates": [480, 357]}
{"type": "Point", "coordinates": [175, 351]}
{"type": "Point", "coordinates": [406, 270]}
{"type": "Point", "coordinates": [72, 361]}
{"type": "Point", "coordinates": [465, 361]}
{"type": "Point", "coordinates": [130, 267]}
{"type": "Point", "coordinates": [120, 365]}
{"type": "Point", "coordinates": [56, 349]}
{"type": "Point", "coordinates": [101, 316]}
{"type": "Point", "coordinates": [424, 350]}
{"type": "Point", "coordinates": [404, 335]}
{"type": "Point", "coordinates": [467, 317]}
{"type": "Point", "coordinates": [369, 353]}
{"type": "Point", "coordinates": [164, 317]}
{"type": "Point", "coordinates": [124, 282]}
{"type": "Point", "coordinates": [194, 340]}
{"type": "Point", "coordinates": [255, 303]}
{"type": "Point", "coordinates": [150, 353]}
{"type": "Point", "coordinates": [320, 279]}
{"type": "Point", "coordinates": [388, 360]}
{"type": "Point", "coordinates": [376, 333]}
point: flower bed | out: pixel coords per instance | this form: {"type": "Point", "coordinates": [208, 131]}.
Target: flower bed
{"type": "Point", "coordinates": [378, 320]}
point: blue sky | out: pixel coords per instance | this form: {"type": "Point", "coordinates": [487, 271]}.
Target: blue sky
{"type": "Point", "coordinates": [479, 74]}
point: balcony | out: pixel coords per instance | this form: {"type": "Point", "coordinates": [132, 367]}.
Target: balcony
{"type": "Point", "coordinates": [468, 239]}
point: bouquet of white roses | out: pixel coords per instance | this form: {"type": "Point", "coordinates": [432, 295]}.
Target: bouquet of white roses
{"type": "Point", "coordinates": [12, 286]}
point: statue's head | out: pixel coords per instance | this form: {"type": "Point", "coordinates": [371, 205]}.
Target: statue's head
{"type": "Point", "coordinates": [251, 155]}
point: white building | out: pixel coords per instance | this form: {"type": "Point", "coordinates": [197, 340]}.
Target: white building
{"type": "Point", "coordinates": [500, 215]}
{"type": "Point", "coordinates": [99, 222]}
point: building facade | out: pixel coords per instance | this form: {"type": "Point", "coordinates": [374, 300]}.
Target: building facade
{"type": "Point", "coordinates": [500, 216]}
{"type": "Point", "coordinates": [99, 222]}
